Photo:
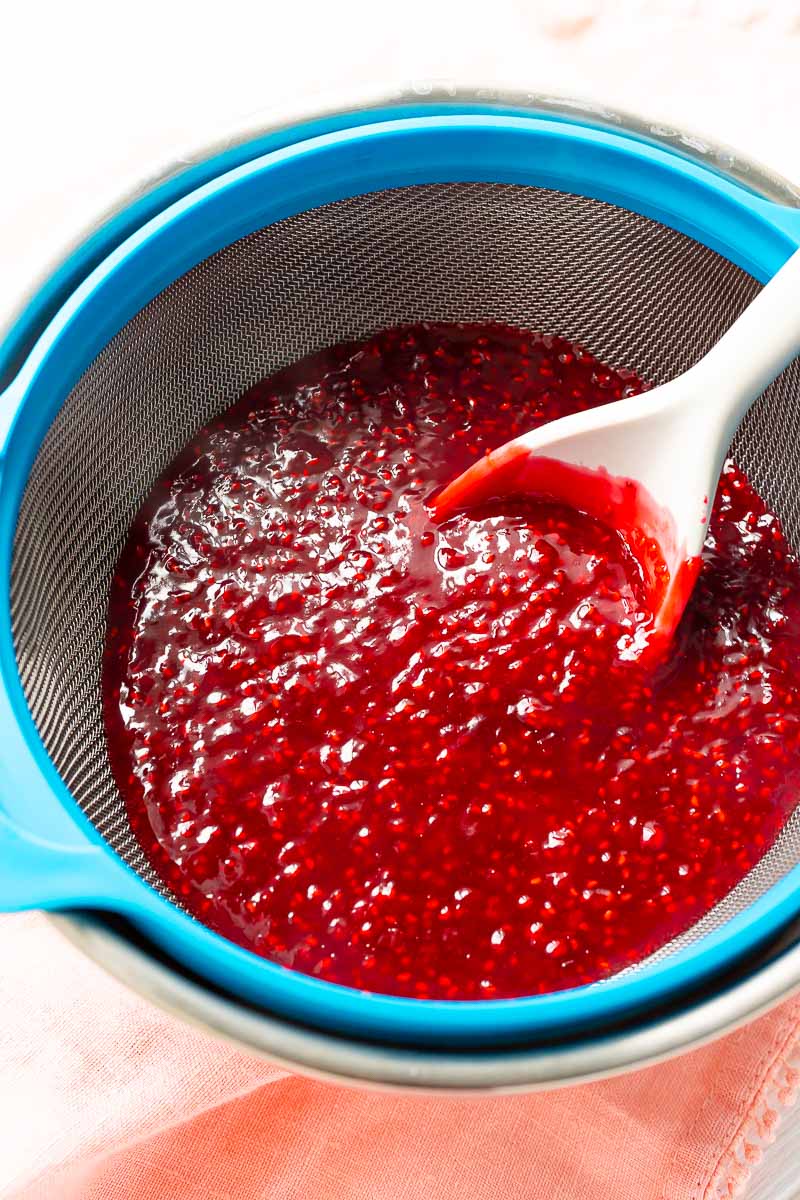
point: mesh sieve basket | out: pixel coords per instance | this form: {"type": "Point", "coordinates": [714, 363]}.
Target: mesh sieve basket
{"type": "Point", "coordinates": [639, 254]}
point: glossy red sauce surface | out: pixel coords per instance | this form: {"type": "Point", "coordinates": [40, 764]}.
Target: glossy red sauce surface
{"type": "Point", "coordinates": [413, 758]}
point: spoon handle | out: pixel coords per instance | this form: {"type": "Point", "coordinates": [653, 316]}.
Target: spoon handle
{"type": "Point", "coordinates": [757, 347]}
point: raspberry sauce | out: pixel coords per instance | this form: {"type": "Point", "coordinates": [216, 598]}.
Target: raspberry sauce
{"type": "Point", "coordinates": [417, 758]}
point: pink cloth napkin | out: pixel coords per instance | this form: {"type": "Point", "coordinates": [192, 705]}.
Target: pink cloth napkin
{"type": "Point", "coordinates": [103, 1097]}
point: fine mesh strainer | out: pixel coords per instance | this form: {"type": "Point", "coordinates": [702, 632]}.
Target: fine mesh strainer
{"type": "Point", "coordinates": [636, 252]}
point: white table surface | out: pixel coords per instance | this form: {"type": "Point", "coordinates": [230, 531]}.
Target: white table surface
{"type": "Point", "coordinates": [93, 94]}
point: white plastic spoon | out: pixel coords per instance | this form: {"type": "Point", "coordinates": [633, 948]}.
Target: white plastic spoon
{"type": "Point", "coordinates": [649, 464]}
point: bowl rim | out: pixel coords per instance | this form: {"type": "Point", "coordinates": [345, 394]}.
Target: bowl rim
{"type": "Point", "coordinates": [756, 989]}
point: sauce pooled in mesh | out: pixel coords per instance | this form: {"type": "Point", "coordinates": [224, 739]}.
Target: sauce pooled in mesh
{"type": "Point", "coordinates": [413, 758]}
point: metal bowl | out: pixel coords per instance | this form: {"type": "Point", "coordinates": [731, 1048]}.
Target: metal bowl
{"type": "Point", "coordinates": [740, 996]}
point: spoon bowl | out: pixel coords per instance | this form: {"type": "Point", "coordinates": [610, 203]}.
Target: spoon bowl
{"type": "Point", "coordinates": [648, 465]}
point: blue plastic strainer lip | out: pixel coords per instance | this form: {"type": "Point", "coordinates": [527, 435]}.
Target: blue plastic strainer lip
{"type": "Point", "coordinates": [110, 233]}
{"type": "Point", "coordinates": [756, 234]}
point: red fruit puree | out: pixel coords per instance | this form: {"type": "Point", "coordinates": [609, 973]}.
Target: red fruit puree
{"type": "Point", "coordinates": [413, 758]}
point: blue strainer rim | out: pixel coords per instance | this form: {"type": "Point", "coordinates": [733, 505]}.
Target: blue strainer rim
{"type": "Point", "coordinates": [51, 856]}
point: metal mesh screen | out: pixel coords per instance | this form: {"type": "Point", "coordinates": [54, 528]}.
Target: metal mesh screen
{"type": "Point", "coordinates": [633, 291]}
